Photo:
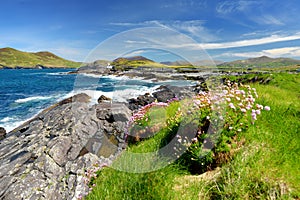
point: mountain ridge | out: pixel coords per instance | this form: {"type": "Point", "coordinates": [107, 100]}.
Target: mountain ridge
{"type": "Point", "coordinates": [13, 58]}
{"type": "Point", "coordinates": [262, 61]}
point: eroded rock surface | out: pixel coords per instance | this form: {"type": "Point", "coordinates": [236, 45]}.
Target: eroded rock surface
{"type": "Point", "coordinates": [45, 158]}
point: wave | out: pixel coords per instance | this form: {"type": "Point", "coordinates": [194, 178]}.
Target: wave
{"type": "Point", "coordinates": [58, 73]}
{"type": "Point", "coordinates": [6, 119]}
{"type": "Point", "coordinates": [34, 98]}
{"type": "Point", "coordinates": [116, 95]}
{"type": "Point", "coordinates": [10, 123]}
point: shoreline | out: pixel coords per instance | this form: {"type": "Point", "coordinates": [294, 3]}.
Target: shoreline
{"type": "Point", "coordinates": [118, 95]}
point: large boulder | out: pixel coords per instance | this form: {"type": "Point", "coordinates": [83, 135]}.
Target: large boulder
{"type": "Point", "coordinates": [103, 98]}
{"type": "Point", "coordinates": [142, 100]}
{"type": "Point", "coordinates": [165, 92]}
{"type": "Point", "coordinates": [46, 157]}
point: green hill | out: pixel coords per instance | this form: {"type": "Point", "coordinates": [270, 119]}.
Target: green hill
{"type": "Point", "coordinates": [12, 58]}
{"type": "Point", "coordinates": [262, 61]}
{"type": "Point", "coordinates": [136, 61]}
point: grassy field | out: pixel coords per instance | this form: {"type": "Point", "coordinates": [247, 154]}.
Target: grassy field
{"type": "Point", "coordinates": [266, 166]}
{"type": "Point", "coordinates": [10, 57]}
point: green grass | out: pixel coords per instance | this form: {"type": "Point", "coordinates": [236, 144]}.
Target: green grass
{"type": "Point", "coordinates": [266, 167]}
{"type": "Point", "coordinates": [10, 57]}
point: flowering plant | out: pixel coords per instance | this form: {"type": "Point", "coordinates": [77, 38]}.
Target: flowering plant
{"type": "Point", "coordinates": [220, 116]}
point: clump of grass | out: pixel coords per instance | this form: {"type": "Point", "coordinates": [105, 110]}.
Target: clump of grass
{"type": "Point", "coordinates": [114, 184]}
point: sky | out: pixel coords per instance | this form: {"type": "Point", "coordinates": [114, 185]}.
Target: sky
{"type": "Point", "coordinates": [217, 30]}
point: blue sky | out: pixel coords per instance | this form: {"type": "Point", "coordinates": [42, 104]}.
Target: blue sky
{"type": "Point", "coordinates": [226, 30]}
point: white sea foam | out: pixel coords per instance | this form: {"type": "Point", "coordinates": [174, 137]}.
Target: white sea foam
{"type": "Point", "coordinates": [6, 119]}
{"type": "Point", "coordinates": [58, 73]}
{"type": "Point", "coordinates": [34, 98]}
{"type": "Point", "coordinates": [10, 123]}
{"type": "Point", "coordinates": [116, 95]}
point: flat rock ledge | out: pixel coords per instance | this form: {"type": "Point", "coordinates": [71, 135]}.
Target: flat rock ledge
{"type": "Point", "coordinates": [46, 157]}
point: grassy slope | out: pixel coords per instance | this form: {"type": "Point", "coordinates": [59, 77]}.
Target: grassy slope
{"type": "Point", "coordinates": [266, 167]}
{"type": "Point", "coordinates": [11, 58]}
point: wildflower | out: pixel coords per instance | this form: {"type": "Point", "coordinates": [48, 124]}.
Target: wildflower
{"type": "Point", "coordinates": [243, 110]}
{"type": "Point", "coordinates": [267, 108]}
{"type": "Point", "coordinates": [258, 112]}
{"type": "Point", "coordinates": [239, 130]}
{"type": "Point", "coordinates": [230, 128]}
{"type": "Point", "coordinates": [228, 99]}
{"type": "Point", "coordinates": [231, 106]}
{"type": "Point", "coordinates": [259, 106]}
{"type": "Point", "coordinates": [194, 140]}
{"type": "Point", "coordinates": [248, 107]}
{"type": "Point", "coordinates": [254, 116]}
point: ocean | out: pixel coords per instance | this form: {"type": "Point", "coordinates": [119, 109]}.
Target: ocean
{"type": "Point", "coordinates": [25, 92]}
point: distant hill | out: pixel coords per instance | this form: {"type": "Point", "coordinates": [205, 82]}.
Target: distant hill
{"type": "Point", "coordinates": [136, 61]}
{"type": "Point", "coordinates": [197, 63]}
{"type": "Point", "coordinates": [262, 61]}
{"type": "Point", "coordinates": [12, 58]}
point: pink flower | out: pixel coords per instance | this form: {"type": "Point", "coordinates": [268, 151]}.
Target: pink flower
{"type": "Point", "coordinates": [254, 116]}
{"type": "Point", "coordinates": [259, 106]}
{"type": "Point", "coordinates": [243, 110]}
{"type": "Point", "coordinates": [257, 112]}
{"type": "Point", "coordinates": [231, 105]}
{"type": "Point", "coordinates": [267, 108]}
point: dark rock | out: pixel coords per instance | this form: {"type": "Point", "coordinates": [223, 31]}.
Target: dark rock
{"type": "Point", "coordinates": [164, 94]}
{"type": "Point", "coordinates": [2, 133]}
{"type": "Point", "coordinates": [82, 97]}
{"type": "Point", "coordinates": [103, 98]}
{"type": "Point", "coordinates": [46, 157]}
{"type": "Point", "coordinates": [113, 112]}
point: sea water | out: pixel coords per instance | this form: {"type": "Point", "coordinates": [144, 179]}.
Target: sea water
{"type": "Point", "coordinates": [25, 92]}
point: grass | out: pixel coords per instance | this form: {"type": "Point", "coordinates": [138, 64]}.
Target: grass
{"type": "Point", "coordinates": [265, 167]}
{"type": "Point", "coordinates": [10, 57]}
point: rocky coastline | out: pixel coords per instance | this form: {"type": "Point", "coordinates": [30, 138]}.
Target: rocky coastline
{"type": "Point", "coordinates": [47, 157]}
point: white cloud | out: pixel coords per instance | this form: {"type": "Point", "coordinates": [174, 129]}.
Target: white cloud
{"type": "Point", "coordinates": [241, 43]}
{"type": "Point", "coordinates": [134, 53]}
{"type": "Point", "coordinates": [286, 51]}
{"type": "Point", "coordinates": [268, 19]}
{"type": "Point", "coordinates": [193, 28]}
{"type": "Point", "coordinates": [135, 42]}
{"type": "Point", "coordinates": [227, 7]}
{"type": "Point", "coordinates": [276, 52]}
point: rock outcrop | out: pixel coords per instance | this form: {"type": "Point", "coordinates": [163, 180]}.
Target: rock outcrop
{"type": "Point", "coordinates": [46, 157]}
{"type": "Point", "coordinates": [163, 94]}
{"type": "Point", "coordinates": [103, 98]}
{"type": "Point", "coordinates": [2, 133]}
